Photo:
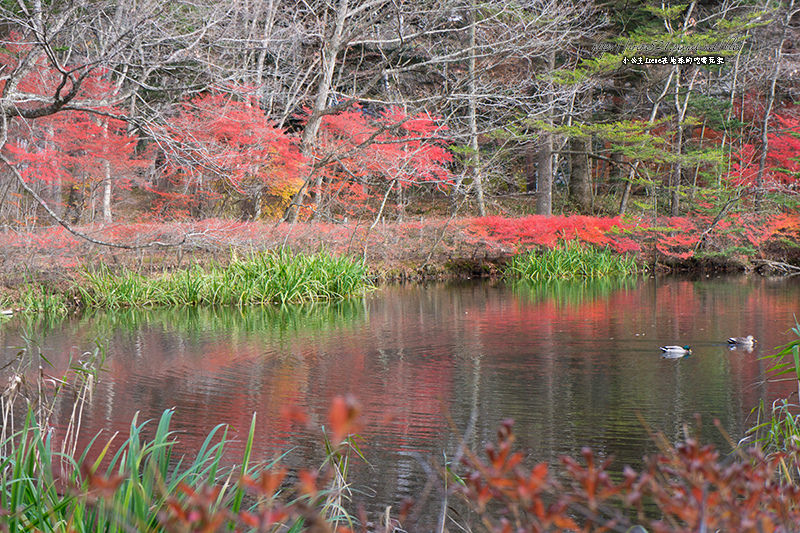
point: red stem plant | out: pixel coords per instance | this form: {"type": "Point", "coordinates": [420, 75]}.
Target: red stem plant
{"type": "Point", "coordinates": [684, 488]}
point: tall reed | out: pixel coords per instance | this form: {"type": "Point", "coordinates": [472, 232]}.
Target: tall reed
{"type": "Point", "coordinates": [32, 389]}
{"type": "Point", "coordinates": [140, 484]}
{"type": "Point", "coordinates": [571, 261]}
{"type": "Point", "coordinates": [129, 491]}
{"type": "Point", "coordinates": [777, 427]}
{"type": "Point", "coordinates": [34, 298]}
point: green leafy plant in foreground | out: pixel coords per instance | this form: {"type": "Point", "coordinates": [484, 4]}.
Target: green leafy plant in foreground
{"type": "Point", "coordinates": [48, 484]}
{"type": "Point", "coordinates": [140, 485]}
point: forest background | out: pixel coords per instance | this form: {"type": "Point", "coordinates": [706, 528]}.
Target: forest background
{"type": "Point", "coordinates": [417, 134]}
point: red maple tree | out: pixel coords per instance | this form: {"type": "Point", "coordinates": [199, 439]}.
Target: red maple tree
{"type": "Point", "coordinates": [225, 146]}
{"type": "Point", "coordinates": [363, 157]}
{"type": "Point", "coordinates": [76, 150]}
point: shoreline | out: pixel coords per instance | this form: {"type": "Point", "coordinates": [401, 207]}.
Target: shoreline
{"type": "Point", "coordinates": [62, 282]}
{"type": "Point", "coordinates": [381, 272]}
{"type": "Point", "coordinates": [413, 251]}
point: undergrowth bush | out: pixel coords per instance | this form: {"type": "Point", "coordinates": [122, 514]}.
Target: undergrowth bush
{"type": "Point", "coordinates": [684, 488]}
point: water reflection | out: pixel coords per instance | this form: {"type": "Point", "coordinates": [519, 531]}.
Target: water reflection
{"type": "Point", "coordinates": [572, 292]}
{"type": "Point", "coordinates": [573, 364]}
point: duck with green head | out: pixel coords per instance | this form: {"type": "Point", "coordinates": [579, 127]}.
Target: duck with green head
{"type": "Point", "coordinates": [676, 351]}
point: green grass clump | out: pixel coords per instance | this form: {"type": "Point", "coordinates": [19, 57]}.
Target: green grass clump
{"type": "Point", "coordinates": [572, 261]}
{"type": "Point", "coordinates": [777, 429]}
{"type": "Point", "coordinates": [141, 486]}
{"type": "Point", "coordinates": [38, 300]}
{"type": "Point", "coordinates": [140, 483]}
{"type": "Point", "coordinates": [258, 279]}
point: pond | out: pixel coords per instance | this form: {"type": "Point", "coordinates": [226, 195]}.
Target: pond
{"type": "Point", "coordinates": [573, 364]}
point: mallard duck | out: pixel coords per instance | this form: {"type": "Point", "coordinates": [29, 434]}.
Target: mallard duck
{"type": "Point", "coordinates": [675, 351]}
{"type": "Point", "coordinates": [742, 341]}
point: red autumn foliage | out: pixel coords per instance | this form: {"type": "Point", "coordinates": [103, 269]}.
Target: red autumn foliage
{"type": "Point", "coordinates": [342, 416]}
{"type": "Point", "coordinates": [74, 149]}
{"type": "Point", "coordinates": [782, 168]}
{"type": "Point", "coordinates": [224, 145]}
{"type": "Point", "coordinates": [392, 146]}
{"type": "Point", "coordinates": [413, 240]}
{"type": "Point", "coordinates": [361, 156]}
{"type": "Point", "coordinates": [691, 486]}
{"type": "Point", "coordinates": [671, 237]}
{"type": "Point", "coordinates": [548, 231]}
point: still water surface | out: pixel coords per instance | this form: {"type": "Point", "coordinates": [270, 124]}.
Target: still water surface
{"type": "Point", "coordinates": [573, 365]}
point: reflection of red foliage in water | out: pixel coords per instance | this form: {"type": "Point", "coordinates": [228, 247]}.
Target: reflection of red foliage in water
{"type": "Point", "coordinates": [406, 370]}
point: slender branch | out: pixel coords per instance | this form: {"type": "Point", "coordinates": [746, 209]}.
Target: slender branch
{"type": "Point", "coordinates": [789, 270]}
{"type": "Point", "coordinates": [731, 201]}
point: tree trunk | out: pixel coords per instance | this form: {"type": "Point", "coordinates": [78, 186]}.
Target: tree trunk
{"type": "Point", "coordinates": [329, 54]}
{"type": "Point", "coordinates": [107, 192]}
{"type": "Point", "coordinates": [626, 193]}
{"type": "Point", "coordinates": [475, 159]}
{"type": "Point", "coordinates": [616, 171]}
{"type": "Point", "coordinates": [530, 167]}
{"type": "Point", "coordinates": [580, 183]}
{"type": "Point", "coordinates": [762, 162]}
{"type": "Point", "coordinates": [675, 176]}
{"type": "Point", "coordinates": [266, 35]}
{"type": "Point", "coordinates": [107, 219]}
{"type": "Point", "coordinates": [309, 136]}
{"type": "Point", "coordinates": [544, 160]}
{"type": "Point", "coordinates": [544, 171]}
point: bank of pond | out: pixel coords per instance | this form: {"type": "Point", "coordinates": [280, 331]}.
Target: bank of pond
{"type": "Point", "coordinates": [277, 277]}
